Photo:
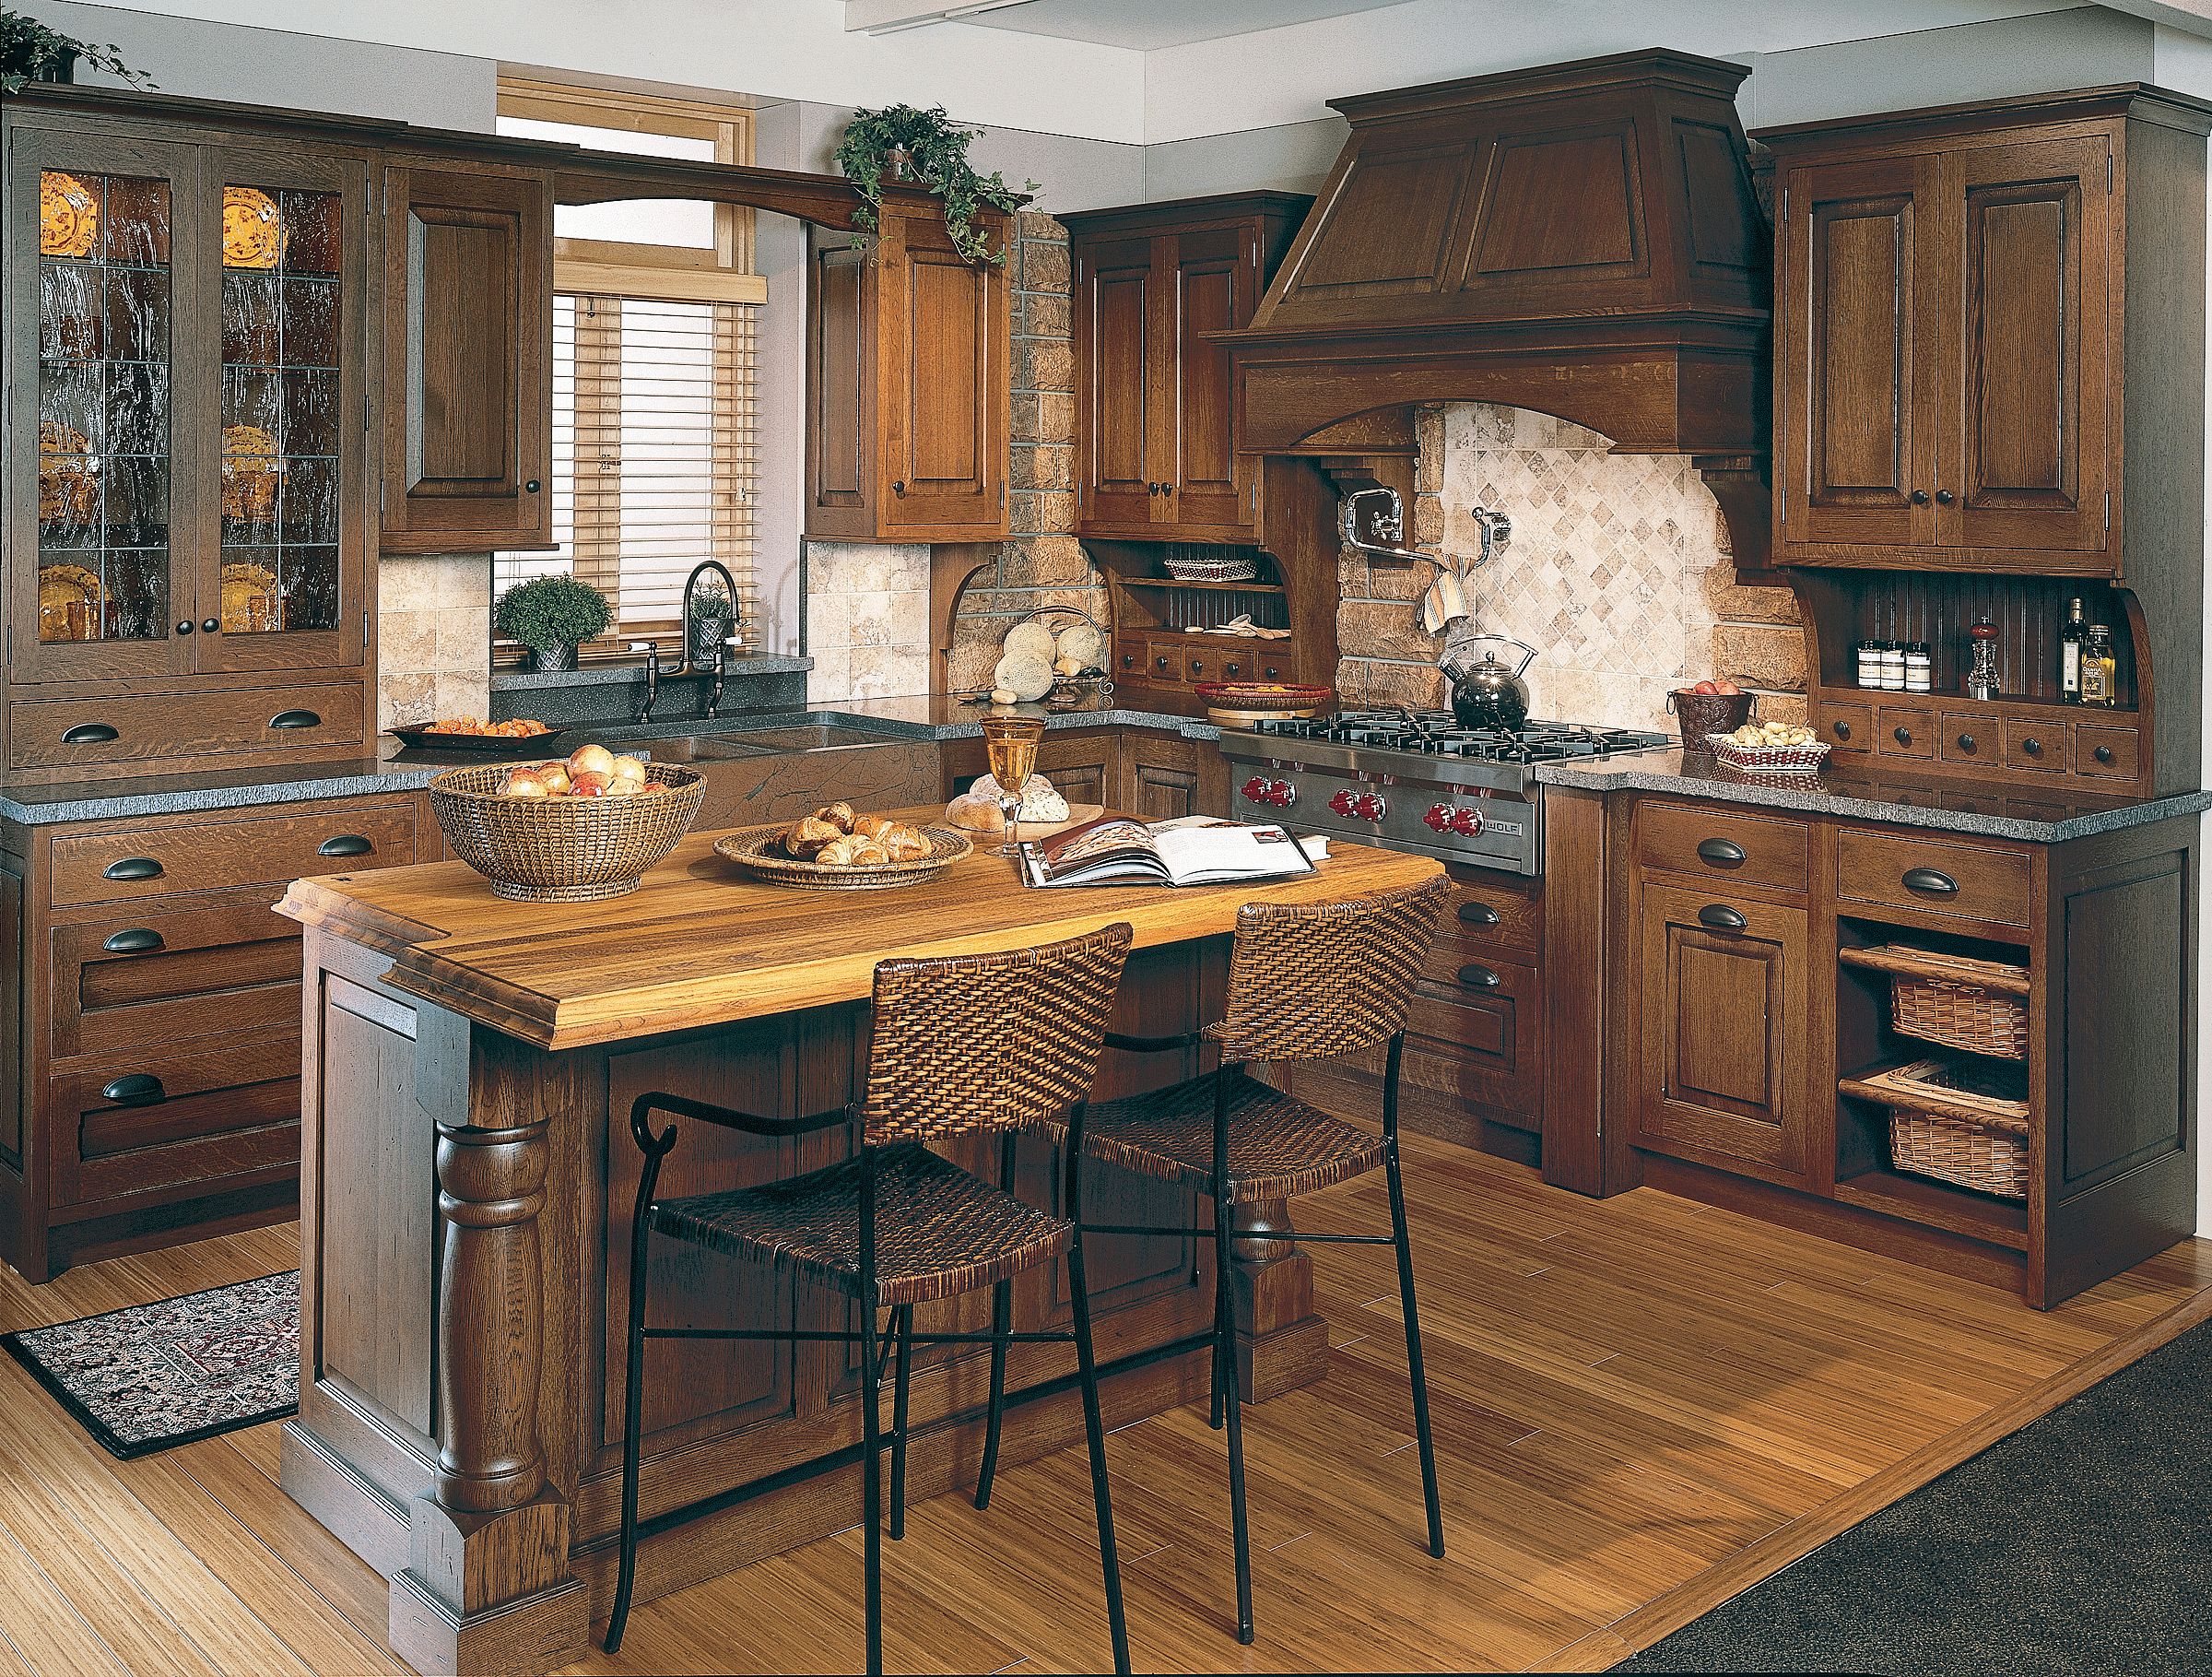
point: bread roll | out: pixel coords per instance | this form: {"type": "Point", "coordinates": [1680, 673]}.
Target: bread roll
{"type": "Point", "coordinates": [872, 826]}
{"type": "Point", "coordinates": [868, 853]}
{"type": "Point", "coordinates": [839, 852]}
{"type": "Point", "coordinates": [903, 844]}
{"type": "Point", "coordinates": [804, 839]}
{"type": "Point", "coordinates": [973, 812]}
{"type": "Point", "coordinates": [838, 815]}
{"type": "Point", "coordinates": [1040, 801]}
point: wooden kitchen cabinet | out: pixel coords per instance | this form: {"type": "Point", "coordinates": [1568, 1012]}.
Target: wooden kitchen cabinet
{"type": "Point", "coordinates": [909, 382]}
{"type": "Point", "coordinates": [1154, 454]}
{"type": "Point", "coordinates": [468, 357]}
{"type": "Point", "coordinates": [1957, 362]}
{"type": "Point", "coordinates": [1167, 776]}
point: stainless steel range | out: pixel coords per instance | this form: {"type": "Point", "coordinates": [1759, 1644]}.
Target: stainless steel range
{"type": "Point", "coordinates": [1413, 780]}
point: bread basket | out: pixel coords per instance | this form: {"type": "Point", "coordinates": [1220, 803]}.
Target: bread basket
{"type": "Point", "coordinates": [1768, 759]}
{"type": "Point", "coordinates": [563, 849]}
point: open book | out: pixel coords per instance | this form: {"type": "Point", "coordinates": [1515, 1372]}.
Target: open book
{"type": "Point", "coordinates": [1192, 850]}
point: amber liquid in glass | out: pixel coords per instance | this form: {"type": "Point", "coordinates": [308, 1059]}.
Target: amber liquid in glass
{"type": "Point", "coordinates": [1011, 744]}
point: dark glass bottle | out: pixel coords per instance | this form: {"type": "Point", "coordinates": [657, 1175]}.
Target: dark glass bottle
{"type": "Point", "coordinates": [2071, 640]}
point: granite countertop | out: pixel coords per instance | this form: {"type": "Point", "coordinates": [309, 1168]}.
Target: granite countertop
{"type": "Point", "coordinates": [1992, 811]}
{"type": "Point", "coordinates": [922, 717]}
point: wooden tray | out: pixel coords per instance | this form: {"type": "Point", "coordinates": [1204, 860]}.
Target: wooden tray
{"type": "Point", "coordinates": [1076, 815]}
{"type": "Point", "coordinates": [424, 738]}
{"type": "Point", "coordinates": [749, 847]}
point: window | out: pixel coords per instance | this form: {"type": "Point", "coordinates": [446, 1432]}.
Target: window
{"type": "Point", "coordinates": [654, 413]}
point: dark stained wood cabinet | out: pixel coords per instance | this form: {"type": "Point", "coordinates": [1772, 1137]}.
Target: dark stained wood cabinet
{"type": "Point", "coordinates": [1155, 455]}
{"type": "Point", "coordinates": [909, 383]}
{"type": "Point", "coordinates": [1141, 771]}
{"type": "Point", "coordinates": [468, 357]}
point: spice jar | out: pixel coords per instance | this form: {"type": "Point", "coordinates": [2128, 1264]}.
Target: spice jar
{"type": "Point", "coordinates": [1893, 667]}
{"type": "Point", "coordinates": [1867, 655]}
{"type": "Point", "coordinates": [1920, 667]}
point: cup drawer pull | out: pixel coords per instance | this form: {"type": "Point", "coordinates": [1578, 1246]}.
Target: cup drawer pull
{"type": "Point", "coordinates": [1720, 917]}
{"type": "Point", "coordinates": [1477, 976]}
{"type": "Point", "coordinates": [133, 940]}
{"type": "Point", "coordinates": [345, 844]}
{"type": "Point", "coordinates": [1478, 914]}
{"type": "Point", "coordinates": [132, 867]}
{"type": "Point", "coordinates": [1930, 880]}
{"type": "Point", "coordinates": [134, 1089]}
{"type": "Point", "coordinates": [90, 733]}
{"type": "Point", "coordinates": [1720, 852]}
{"type": "Point", "coordinates": [292, 719]}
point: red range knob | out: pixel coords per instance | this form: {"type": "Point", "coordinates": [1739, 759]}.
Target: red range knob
{"type": "Point", "coordinates": [1257, 789]}
{"type": "Point", "coordinates": [1343, 803]}
{"type": "Point", "coordinates": [1466, 822]}
{"type": "Point", "coordinates": [1439, 818]}
{"type": "Point", "coordinates": [1282, 794]}
{"type": "Point", "coordinates": [1369, 806]}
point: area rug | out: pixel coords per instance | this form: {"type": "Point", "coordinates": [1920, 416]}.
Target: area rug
{"type": "Point", "coordinates": [2076, 1546]}
{"type": "Point", "coordinates": [157, 1375]}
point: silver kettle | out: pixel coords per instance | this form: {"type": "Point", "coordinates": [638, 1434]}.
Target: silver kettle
{"type": "Point", "coordinates": [1488, 695]}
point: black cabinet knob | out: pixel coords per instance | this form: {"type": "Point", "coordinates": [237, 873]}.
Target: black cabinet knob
{"type": "Point", "coordinates": [345, 844]}
{"type": "Point", "coordinates": [1929, 882]}
{"type": "Point", "coordinates": [1271, 672]}
{"type": "Point", "coordinates": [1920, 497]}
{"type": "Point", "coordinates": [133, 940]}
{"type": "Point", "coordinates": [1159, 662]}
{"type": "Point", "coordinates": [2034, 748]}
{"type": "Point", "coordinates": [1232, 670]}
{"type": "Point", "coordinates": [1944, 497]}
{"type": "Point", "coordinates": [208, 625]}
{"type": "Point", "coordinates": [1720, 852]}
{"type": "Point", "coordinates": [185, 625]}
{"type": "Point", "coordinates": [1475, 975]}
{"type": "Point", "coordinates": [1128, 660]}
{"type": "Point", "coordinates": [1197, 669]}
{"type": "Point", "coordinates": [1904, 736]}
{"type": "Point", "coordinates": [293, 719]}
{"type": "Point", "coordinates": [1843, 730]}
{"type": "Point", "coordinates": [1967, 743]}
{"type": "Point", "coordinates": [530, 488]}
{"type": "Point", "coordinates": [898, 487]}
{"type": "Point", "coordinates": [132, 867]}
{"type": "Point", "coordinates": [88, 733]}
{"type": "Point", "coordinates": [1720, 917]}
{"type": "Point", "coordinates": [1478, 914]}
{"type": "Point", "coordinates": [2103, 753]}
{"type": "Point", "coordinates": [134, 1089]}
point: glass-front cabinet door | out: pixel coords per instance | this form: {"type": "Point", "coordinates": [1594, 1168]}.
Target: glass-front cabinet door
{"type": "Point", "coordinates": [291, 527]}
{"type": "Point", "coordinates": [99, 516]}
{"type": "Point", "coordinates": [196, 502]}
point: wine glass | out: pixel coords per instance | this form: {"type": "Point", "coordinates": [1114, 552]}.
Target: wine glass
{"type": "Point", "coordinates": [1011, 743]}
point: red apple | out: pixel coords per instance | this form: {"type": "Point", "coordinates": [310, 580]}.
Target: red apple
{"type": "Point", "coordinates": [589, 759]}
{"type": "Point", "coordinates": [524, 783]}
{"type": "Point", "coordinates": [589, 785]}
{"type": "Point", "coordinates": [555, 776]}
{"type": "Point", "coordinates": [653, 785]}
{"type": "Point", "coordinates": [620, 785]}
{"type": "Point", "coordinates": [628, 768]}
{"type": "Point", "coordinates": [1727, 688]}
{"type": "Point", "coordinates": [1705, 687]}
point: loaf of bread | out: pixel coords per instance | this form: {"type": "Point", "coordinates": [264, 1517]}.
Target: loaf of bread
{"type": "Point", "coordinates": [1040, 800]}
{"type": "Point", "coordinates": [973, 812]}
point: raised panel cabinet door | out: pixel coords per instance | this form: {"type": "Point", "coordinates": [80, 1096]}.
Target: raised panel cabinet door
{"type": "Point", "coordinates": [942, 385]}
{"type": "Point", "coordinates": [841, 349]}
{"type": "Point", "coordinates": [1853, 356]}
{"type": "Point", "coordinates": [1723, 1022]}
{"type": "Point", "coordinates": [109, 465]}
{"type": "Point", "coordinates": [1085, 768]}
{"type": "Point", "coordinates": [468, 359]}
{"type": "Point", "coordinates": [1119, 357]}
{"type": "Point", "coordinates": [1215, 276]}
{"type": "Point", "coordinates": [2025, 452]}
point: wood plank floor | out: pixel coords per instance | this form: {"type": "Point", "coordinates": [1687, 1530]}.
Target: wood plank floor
{"type": "Point", "coordinates": [1642, 1406]}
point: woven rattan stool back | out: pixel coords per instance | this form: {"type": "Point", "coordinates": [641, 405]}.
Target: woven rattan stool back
{"type": "Point", "coordinates": [1001, 1041]}
{"type": "Point", "coordinates": [1312, 980]}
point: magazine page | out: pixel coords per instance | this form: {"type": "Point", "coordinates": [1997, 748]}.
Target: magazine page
{"type": "Point", "coordinates": [1113, 847]}
{"type": "Point", "coordinates": [1201, 850]}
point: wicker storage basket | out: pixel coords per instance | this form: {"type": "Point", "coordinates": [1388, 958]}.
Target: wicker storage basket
{"type": "Point", "coordinates": [563, 849]}
{"type": "Point", "coordinates": [1980, 1005]}
{"type": "Point", "coordinates": [1958, 1122]}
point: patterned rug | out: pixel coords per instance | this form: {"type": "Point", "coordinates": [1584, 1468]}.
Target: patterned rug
{"type": "Point", "coordinates": [156, 1376]}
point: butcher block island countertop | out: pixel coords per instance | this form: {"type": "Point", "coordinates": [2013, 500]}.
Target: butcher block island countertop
{"type": "Point", "coordinates": [467, 1185]}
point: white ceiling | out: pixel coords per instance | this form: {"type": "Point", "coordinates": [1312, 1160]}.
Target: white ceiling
{"type": "Point", "coordinates": [1140, 25]}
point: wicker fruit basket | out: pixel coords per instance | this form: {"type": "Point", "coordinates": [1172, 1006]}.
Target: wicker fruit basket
{"type": "Point", "coordinates": [1980, 1005]}
{"type": "Point", "coordinates": [1960, 1122]}
{"type": "Point", "coordinates": [1768, 759]}
{"type": "Point", "coordinates": [563, 849]}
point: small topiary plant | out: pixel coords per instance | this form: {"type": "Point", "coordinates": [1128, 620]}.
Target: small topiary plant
{"type": "Point", "coordinates": [552, 616]}
{"type": "Point", "coordinates": [937, 148]}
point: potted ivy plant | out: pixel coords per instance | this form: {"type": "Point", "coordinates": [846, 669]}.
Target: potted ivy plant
{"type": "Point", "coordinates": [902, 142]}
{"type": "Point", "coordinates": [713, 616]}
{"type": "Point", "coordinates": [31, 52]}
{"type": "Point", "coordinates": [552, 616]}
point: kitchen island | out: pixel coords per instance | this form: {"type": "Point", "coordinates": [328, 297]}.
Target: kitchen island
{"type": "Point", "coordinates": [469, 1067]}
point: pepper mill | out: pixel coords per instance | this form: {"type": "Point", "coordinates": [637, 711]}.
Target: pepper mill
{"type": "Point", "coordinates": [1982, 679]}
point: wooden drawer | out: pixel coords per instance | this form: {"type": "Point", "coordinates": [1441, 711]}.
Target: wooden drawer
{"type": "Point", "coordinates": [129, 862]}
{"type": "Point", "coordinates": [1255, 661]}
{"type": "Point", "coordinates": [1163, 662]}
{"type": "Point", "coordinates": [1711, 841]}
{"type": "Point", "coordinates": [2105, 753]}
{"type": "Point", "coordinates": [2037, 747]}
{"type": "Point", "coordinates": [61, 733]}
{"type": "Point", "coordinates": [1499, 913]}
{"type": "Point", "coordinates": [131, 980]}
{"type": "Point", "coordinates": [1905, 731]}
{"type": "Point", "coordinates": [1901, 871]}
{"type": "Point", "coordinates": [1970, 737]}
{"type": "Point", "coordinates": [1478, 1034]}
{"type": "Point", "coordinates": [1848, 727]}
{"type": "Point", "coordinates": [171, 1127]}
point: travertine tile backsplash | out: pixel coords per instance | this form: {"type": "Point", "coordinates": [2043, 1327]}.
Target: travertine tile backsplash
{"type": "Point", "coordinates": [867, 619]}
{"type": "Point", "coordinates": [433, 629]}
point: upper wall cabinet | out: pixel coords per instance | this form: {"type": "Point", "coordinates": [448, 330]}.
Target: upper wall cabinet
{"type": "Point", "coordinates": [1155, 459]}
{"type": "Point", "coordinates": [909, 385]}
{"type": "Point", "coordinates": [468, 357]}
{"type": "Point", "coordinates": [1957, 362]}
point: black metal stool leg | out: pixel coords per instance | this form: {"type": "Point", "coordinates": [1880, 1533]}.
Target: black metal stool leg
{"type": "Point", "coordinates": [633, 1407]}
{"type": "Point", "coordinates": [1224, 1300]}
{"type": "Point", "coordinates": [1094, 1427]}
{"type": "Point", "coordinates": [871, 1440]}
{"type": "Point", "coordinates": [1226, 1327]}
{"type": "Point", "coordinates": [903, 1318]}
{"type": "Point", "coordinates": [1413, 1352]}
{"type": "Point", "coordinates": [1002, 1322]}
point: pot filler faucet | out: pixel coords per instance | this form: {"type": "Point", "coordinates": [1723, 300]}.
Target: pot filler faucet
{"type": "Point", "coordinates": [1387, 527]}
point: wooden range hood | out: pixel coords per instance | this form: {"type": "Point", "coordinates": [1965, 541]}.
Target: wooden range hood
{"type": "Point", "coordinates": [1582, 240]}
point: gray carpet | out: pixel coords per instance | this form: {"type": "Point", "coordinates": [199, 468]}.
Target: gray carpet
{"type": "Point", "coordinates": [2080, 1546]}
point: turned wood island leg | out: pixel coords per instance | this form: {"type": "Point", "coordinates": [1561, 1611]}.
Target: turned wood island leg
{"type": "Point", "coordinates": [1281, 1343]}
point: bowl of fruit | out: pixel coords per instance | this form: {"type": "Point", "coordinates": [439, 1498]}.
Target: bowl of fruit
{"type": "Point", "coordinates": [579, 829]}
{"type": "Point", "coordinates": [1769, 747]}
{"type": "Point", "coordinates": [1714, 707]}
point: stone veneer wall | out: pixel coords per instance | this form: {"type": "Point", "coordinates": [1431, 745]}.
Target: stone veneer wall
{"type": "Point", "coordinates": [1619, 573]}
{"type": "Point", "coordinates": [433, 632]}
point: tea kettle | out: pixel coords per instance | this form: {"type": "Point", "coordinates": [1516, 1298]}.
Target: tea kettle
{"type": "Point", "coordinates": [1488, 695]}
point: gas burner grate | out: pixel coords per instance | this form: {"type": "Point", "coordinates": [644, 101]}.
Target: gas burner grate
{"type": "Point", "coordinates": [1436, 734]}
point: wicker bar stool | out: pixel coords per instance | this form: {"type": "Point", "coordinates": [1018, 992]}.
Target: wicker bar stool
{"type": "Point", "coordinates": [963, 1045]}
{"type": "Point", "coordinates": [1306, 982]}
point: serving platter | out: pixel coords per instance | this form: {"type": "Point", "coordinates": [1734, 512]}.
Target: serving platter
{"type": "Point", "coordinates": [754, 849]}
{"type": "Point", "coordinates": [423, 737]}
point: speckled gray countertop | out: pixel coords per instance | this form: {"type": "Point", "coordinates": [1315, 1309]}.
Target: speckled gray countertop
{"type": "Point", "coordinates": [920, 718]}
{"type": "Point", "coordinates": [1992, 811]}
